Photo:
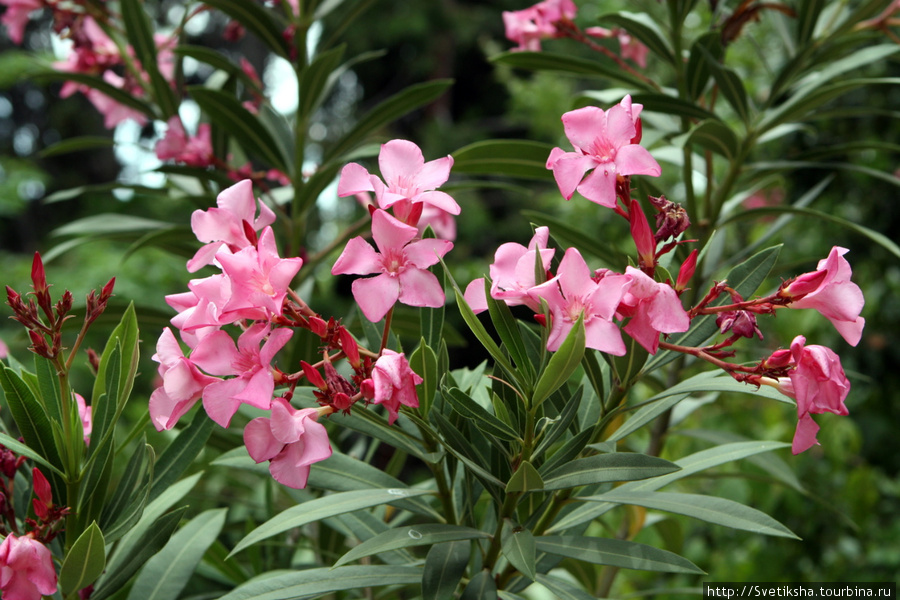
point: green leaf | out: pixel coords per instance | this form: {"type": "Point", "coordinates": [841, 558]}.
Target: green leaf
{"type": "Point", "coordinates": [445, 565]}
{"type": "Point", "coordinates": [322, 508]}
{"type": "Point", "coordinates": [169, 571]}
{"type": "Point", "coordinates": [368, 422]}
{"type": "Point", "coordinates": [730, 84]}
{"type": "Point", "coordinates": [423, 361]}
{"type": "Point", "coordinates": [671, 105]}
{"type": "Point", "coordinates": [507, 328]}
{"type": "Point", "coordinates": [605, 468]}
{"type": "Point", "coordinates": [127, 504]}
{"type": "Point", "coordinates": [180, 453]}
{"type": "Point", "coordinates": [48, 385]}
{"type": "Point", "coordinates": [808, 12]}
{"type": "Point", "coordinates": [125, 563]}
{"type": "Point", "coordinates": [555, 430]}
{"type": "Point", "coordinates": [257, 20]}
{"type": "Point", "coordinates": [140, 36]}
{"type": "Point", "coordinates": [643, 27]}
{"type": "Point", "coordinates": [518, 547]}
{"type": "Point", "coordinates": [719, 511]}
{"type": "Point", "coordinates": [324, 580]}
{"type": "Point", "coordinates": [84, 561]}
{"type": "Point", "coordinates": [513, 158]}
{"type": "Point", "coordinates": [30, 417]}
{"type": "Point", "coordinates": [569, 65]}
{"type": "Point", "coordinates": [562, 364]}
{"type": "Point", "coordinates": [563, 589]}
{"type": "Point", "coordinates": [315, 80]}
{"type": "Point", "coordinates": [401, 103]}
{"type": "Point", "coordinates": [404, 537]}
{"type": "Point", "coordinates": [698, 72]}
{"type": "Point", "coordinates": [616, 553]}
{"type": "Point", "coordinates": [26, 451]}
{"type": "Point", "coordinates": [76, 144]}
{"type": "Point", "coordinates": [481, 587]}
{"type": "Point", "coordinates": [525, 479]}
{"type": "Point", "coordinates": [218, 61]}
{"type": "Point", "coordinates": [713, 135]}
{"type": "Point", "coordinates": [480, 417]}
{"type": "Point", "coordinates": [97, 83]}
{"type": "Point", "coordinates": [645, 415]}
{"type": "Point", "coordinates": [227, 112]}
{"type": "Point", "coordinates": [699, 461]}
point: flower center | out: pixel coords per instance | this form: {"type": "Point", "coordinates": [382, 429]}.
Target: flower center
{"type": "Point", "coordinates": [393, 261]}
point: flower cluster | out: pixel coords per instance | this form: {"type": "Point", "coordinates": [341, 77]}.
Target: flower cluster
{"type": "Point", "coordinates": [251, 294]}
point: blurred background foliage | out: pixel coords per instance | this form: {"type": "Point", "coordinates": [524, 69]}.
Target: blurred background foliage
{"type": "Point", "coordinates": [846, 502]}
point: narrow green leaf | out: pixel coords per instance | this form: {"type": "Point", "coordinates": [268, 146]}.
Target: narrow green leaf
{"type": "Point", "coordinates": [126, 333]}
{"type": "Point", "coordinates": [697, 72]}
{"type": "Point", "coordinates": [507, 328]}
{"type": "Point", "coordinates": [518, 547]}
{"type": "Point", "coordinates": [513, 158]}
{"type": "Point", "coordinates": [226, 111]}
{"type": "Point", "coordinates": [181, 452]}
{"type": "Point", "coordinates": [26, 451]}
{"type": "Point", "coordinates": [713, 135]}
{"type": "Point", "coordinates": [390, 110]}
{"type": "Point", "coordinates": [218, 61]}
{"type": "Point", "coordinates": [605, 468]}
{"type": "Point", "coordinates": [257, 20]}
{"type": "Point", "coordinates": [645, 415]}
{"type": "Point", "coordinates": [48, 385]}
{"type": "Point", "coordinates": [366, 421]}
{"type": "Point", "coordinates": [643, 27]}
{"type": "Point", "coordinates": [404, 537]}
{"type": "Point", "coordinates": [719, 511]}
{"type": "Point", "coordinates": [570, 65]}
{"type": "Point", "coordinates": [481, 587]}
{"type": "Point", "coordinates": [616, 553]}
{"type": "Point", "coordinates": [445, 565]}
{"type": "Point", "coordinates": [808, 12]}
{"type": "Point", "coordinates": [730, 84]}
{"type": "Point", "coordinates": [167, 573]}
{"type": "Point", "coordinates": [558, 428]}
{"type": "Point", "coordinates": [140, 36]}
{"type": "Point", "coordinates": [564, 590]}
{"type": "Point", "coordinates": [314, 82]}
{"type": "Point", "coordinates": [84, 561]}
{"type": "Point", "coordinates": [460, 447]}
{"type": "Point", "coordinates": [525, 479]}
{"type": "Point", "coordinates": [479, 416]}
{"type": "Point", "coordinates": [562, 364]}
{"type": "Point", "coordinates": [423, 361]}
{"type": "Point", "coordinates": [30, 417]}
{"type": "Point", "coordinates": [324, 580]}
{"type": "Point", "coordinates": [322, 508]}
{"type": "Point", "coordinates": [671, 105]}
{"type": "Point", "coordinates": [481, 333]}
{"type": "Point", "coordinates": [76, 144]}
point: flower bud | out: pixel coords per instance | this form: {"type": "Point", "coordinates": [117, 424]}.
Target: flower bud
{"type": "Point", "coordinates": [686, 271]}
{"type": "Point", "coordinates": [350, 347]}
{"type": "Point", "coordinates": [643, 237]}
{"type": "Point", "coordinates": [41, 486]}
{"type": "Point", "coordinates": [313, 376]}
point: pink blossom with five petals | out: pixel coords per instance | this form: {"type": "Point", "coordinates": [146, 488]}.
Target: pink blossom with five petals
{"type": "Point", "coordinates": [393, 384]}
{"type": "Point", "coordinates": [26, 569]}
{"type": "Point", "coordinates": [603, 141]}
{"type": "Point", "coordinates": [402, 267]}
{"type": "Point", "coordinates": [654, 308]}
{"type": "Point", "coordinates": [183, 383]}
{"type": "Point", "coordinates": [194, 151]}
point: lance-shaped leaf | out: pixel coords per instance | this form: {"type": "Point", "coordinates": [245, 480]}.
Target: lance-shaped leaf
{"type": "Point", "coordinates": [671, 105]}
{"type": "Point", "coordinates": [713, 135]}
{"type": "Point", "coordinates": [76, 144]}
{"type": "Point", "coordinates": [564, 590]}
{"type": "Point", "coordinates": [310, 583]}
{"type": "Point", "coordinates": [84, 561]}
{"type": "Point", "coordinates": [180, 453]}
{"type": "Point", "coordinates": [423, 361]}
{"type": "Point", "coordinates": [30, 417]}
{"type": "Point", "coordinates": [562, 364]}
{"type": "Point", "coordinates": [97, 83]}
{"type": "Point", "coordinates": [519, 549]}
{"type": "Point", "coordinates": [513, 158]}
{"type": "Point", "coordinates": [322, 508]}
{"type": "Point", "coordinates": [167, 573]}
{"type": "Point", "coordinates": [140, 35]}
{"type": "Point", "coordinates": [480, 587]}
{"type": "Point", "coordinates": [616, 553]}
{"type": "Point", "coordinates": [697, 72]}
{"type": "Point", "coordinates": [643, 27]}
{"type": "Point", "coordinates": [26, 451]}
{"type": "Point", "coordinates": [228, 113]}
{"type": "Point", "coordinates": [257, 20]}
{"type": "Point", "coordinates": [316, 79]}
{"type": "Point", "coordinates": [525, 479]}
{"type": "Point", "coordinates": [480, 417]}
{"type": "Point", "coordinates": [445, 565]}
{"type": "Point", "coordinates": [605, 468]}
{"type": "Point", "coordinates": [567, 235]}
{"type": "Point", "coordinates": [406, 536]}
{"type": "Point", "coordinates": [720, 511]}
{"type": "Point", "coordinates": [730, 84]}
{"type": "Point", "coordinates": [570, 65]}
{"type": "Point", "coordinates": [218, 61]}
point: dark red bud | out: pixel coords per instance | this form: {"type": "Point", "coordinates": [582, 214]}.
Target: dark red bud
{"type": "Point", "coordinates": [638, 131]}
{"type": "Point", "coordinates": [313, 376]}
{"type": "Point", "coordinates": [350, 347]}
{"type": "Point", "coordinates": [249, 232]}
{"type": "Point", "coordinates": [107, 290]}
{"type": "Point", "coordinates": [40, 509]}
{"type": "Point", "coordinates": [38, 276]}
{"type": "Point", "coordinates": [686, 271]}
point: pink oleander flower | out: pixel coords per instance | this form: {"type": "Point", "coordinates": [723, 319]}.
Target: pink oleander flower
{"type": "Point", "coordinates": [818, 384]}
{"type": "Point", "coordinates": [830, 291]}
{"type": "Point", "coordinates": [193, 151]}
{"type": "Point", "coordinates": [26, 569]}
{"type": "Point", "coordinates": [513, 273]}
{"type": "Point", "coordinates": [604, 142]}
{"type": "Point", "coordinates": [84, 414]}
{"type": "Point", "coordinates": [254, 381]}
{"type": "Point", "coordinates": [653, 308]}
{"type": "Point", "coordinates": [200, 309]}
{"type": "Point", "coordinates": [259, 279]}
{"type": "Point", "coordinates": [183, 383]}
{"type": "Point", "coordinates": [16, 16]}
{"type": "Point", "coordinates": [225, 223]}
{"type": "Point", "coordinates": [393, 384]}
{"type": "Point", "coordinates": [574, 293]}
{"type": "Point", "coordinates": [408, 180]}
{"type": "Point", "coordinates": [529, 26]}
{"type": "Point", "coordinates": [402, 267]}
{"type": "Point", "coordinates": [291, 440]}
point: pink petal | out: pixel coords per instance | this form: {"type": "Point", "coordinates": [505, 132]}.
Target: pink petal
{"type": "Point", "coordinates": [216, 354]}
{"type": "Point", "coordinates": [600, 185]}
{"type": "Point", "coordinates": [574, 276]}
{"type": "Point", "coordinates": [805, 434]}
{"type": "Point", "coordinates": [389, 233]}
{"type": "Point", "coordinates": [584, 126]}
{"type": "Point", "coordinates": [420, 288]}
{"type": "Point", "coordinates": [475, 296]}
{"type": "Point", "coordinates": [354, 180]}
{"type": "Point", "coordinates": [358, 258]}
{"type": "Point", "coordinates": [434, 173]}
{"type": "Point", "coordinates": [569, 170]}
{"type": "Point", "coordinates": [604, 336]}
{"type": "Point", "coordinates": [376, 295]}
{"type": "Point", "coordinates": [261, 444]}
{"type": "Point", "coordinates": [219, 402]}
{"type": "Point", "coordinates": [425, 253]}
{"type": "Point", "coordinates": [619, 125]}
{"type": "Point", "coordinates": [851, 331]}
{"type": "Point", "coordinates": [398, 160]}
{"type": "Point", "coordinates": [440, 200]}
{"type": "Point", "coordinates": [635, 160]}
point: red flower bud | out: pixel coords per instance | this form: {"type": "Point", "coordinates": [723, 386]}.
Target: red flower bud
{"type": "Point", "coordinates": [313, 376]}
{"type": "Point", "coordinates": [41, 486]}
{"type": "Point", "coordinates": [643, 237]}
{"type": "Point", "coordinates": [686, 271]}
{"type": "Point", "coordinates": [350, 347]}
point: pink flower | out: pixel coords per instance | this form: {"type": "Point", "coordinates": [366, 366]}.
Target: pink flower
{"type": "Point", "coordinates": [402, 265]}
{"type": "Point", "coordinates": [84, 414]}
{"type": "Point", "coordinates": [407, 178]}
{"type": "Point", "coordinates": [393, 383]}
{"type": "Point", "coordinates": [194, 151]}
{"type": "Point", "coordinates": [603, 141]}
{"type": "Point", "coordinates": [818, 384]}
{"type": "Point", "coordinates": [200, 309]}
{"type": "Point", "coordinates": [830, 291]}
{"type": "Point", "coordinates": [259, 279]}
{"type": "Point", "coordinates": [254, 382]}
{"type": "Point", "coordinates": [26, 569]}
{"type": "Point", "coordinates": [16, 17]}
{"type": "Point", "coordinates": [225, 223]}
{"type": "Point", "coordinates": [291, 440]}
{"type": "Point", "coordinates": [573, 293]}
{"type": "Point", "coordinates": [529, 26]}
{"type": "Point", "coordinates": [183, 383]}
{"type": "Point", "coordinates": [654, 308]}
{"type": "Point", "coordinates": [512, 273]}
{"type": "Point", "coordinates": [4, 349]}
